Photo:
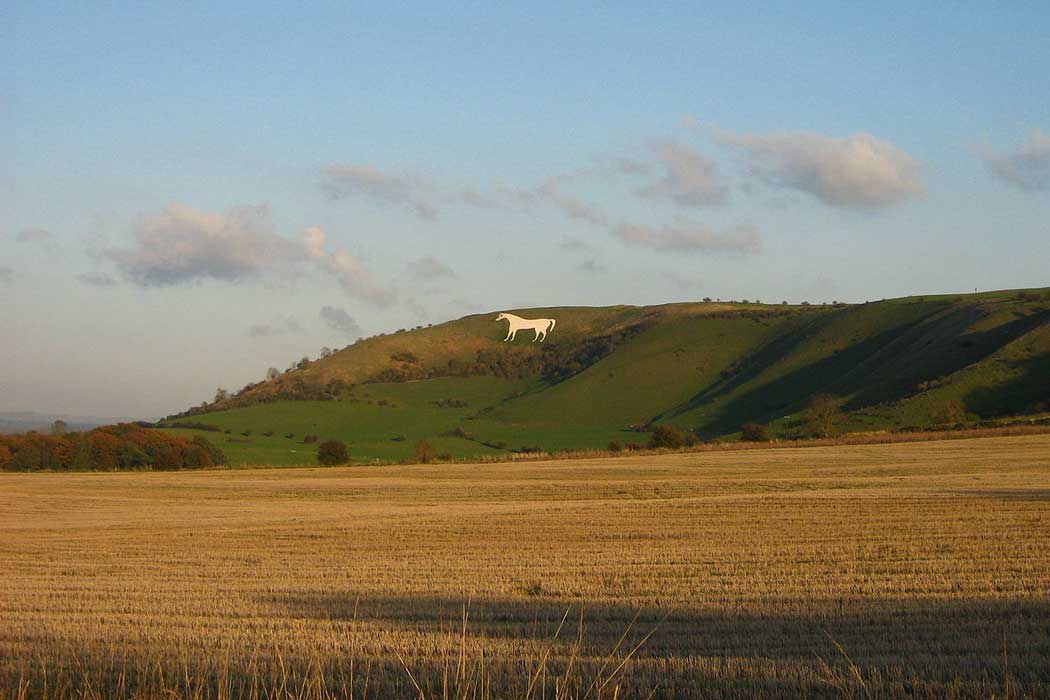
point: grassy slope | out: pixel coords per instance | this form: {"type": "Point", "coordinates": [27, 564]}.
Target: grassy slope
{"type": "Point", "coordinates": [690, 367]}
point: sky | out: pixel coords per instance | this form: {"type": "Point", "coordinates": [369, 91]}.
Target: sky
{"type": "Point", "coordinates": [191, 193]}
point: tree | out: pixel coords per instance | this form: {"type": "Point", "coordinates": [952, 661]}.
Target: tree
{"type": "Point", "coordinates": [326, 351]}
{"type": "Point", "coordinates": [754, 432]}
{"type": "Point", "coordinates": [823, 415]}
{"type": "Point", "coordinates": [303, 363]}
{"type": "Point", "coordinates": [272, 374]}
{"type": "Point", "coordinates": [59, 427]}
{"type": "Point", "coordinates": [424, 452]}
{"type": "Point", "coordinates": [666, 436]}
{"type": "Point", "coordinates": [952, 412]}
{"type": "Point", "coordinates": [221, 395]}
{"type": "Point", "coordinates": [332, 452]}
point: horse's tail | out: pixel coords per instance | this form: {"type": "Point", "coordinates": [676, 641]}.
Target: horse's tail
{"type": "Point", "coordinates": [551, 327]}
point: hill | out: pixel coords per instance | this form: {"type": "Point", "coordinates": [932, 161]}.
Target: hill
{"type": "Point", "coordinates": [610, 373]}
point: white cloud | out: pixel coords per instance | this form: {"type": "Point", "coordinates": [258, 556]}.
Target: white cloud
{"type": "Point", "coordinates": [691, 238]}
{"type": "Point", "coordinates": [690, 179]}
{"type": "Point", "coordinates": [183, 245]}
{"type": "Point", "coordinates": [1027, 166]}
{"type": "Point", "coordinates": [339, 320]}
{"type": "Point", "coordinates": [346, 268]}
{"type": "Point", "coordinates": [859, 171]}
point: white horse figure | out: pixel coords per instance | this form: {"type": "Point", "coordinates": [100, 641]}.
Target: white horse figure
{"type": "Point", "coordinates": [541, 326]}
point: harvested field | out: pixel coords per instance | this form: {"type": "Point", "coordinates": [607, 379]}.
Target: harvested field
{"type": "Point", "coordinates": [897, 570]}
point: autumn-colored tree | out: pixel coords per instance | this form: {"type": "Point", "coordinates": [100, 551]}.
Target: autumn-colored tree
{"type": "Point", "coordinates": [754, 432]}
{"type": "Point", "coordinates": [666, 436]}
{"type": "Point", "coordinates": [424, 452]}
{"type": "Point", "coordinates": [823, 415]}
{"type": "Point", "coordinates": [952, 412]}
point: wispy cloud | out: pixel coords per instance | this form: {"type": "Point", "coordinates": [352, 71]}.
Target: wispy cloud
{"type": "Point", "coordinates": [7, 275]}
{"type": "Point", "coordinates": [574, 243]}
{"type": "Point", "coordinates": [859, 171]}
{"type": "Point", "coordinates": [97, 280]}
{"type": "Point", "coordinates": [691, 238]}
{"type": "Point", "coordinates": [268, 330]}
{"type": "Point", "coordinates": [34, 235]}
{"type": "Point", "coordinates": [339, 320]}
{"type": "Point", "coordinates": [405, 189]}
{"type": "Point", "coordinates": [183, 245]}
{"type": "Point", "coordinates": [592, 266]}
{"type": "Point", "coordinates": [1027, 166]}
{"type": "Point", "coordinates": [428, 198]}
{"type": "Point", "coordinates": [428, 267]}
{"type": "Point", "coordinates": [690, 179]}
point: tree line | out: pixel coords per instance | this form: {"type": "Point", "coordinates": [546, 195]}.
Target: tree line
{"type": "Point", "coordinates": [125, 446]}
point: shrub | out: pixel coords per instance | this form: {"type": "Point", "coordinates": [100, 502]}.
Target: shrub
{"type": "Point", "coordinates": [309, 439]}
{"type": "Point", "coordinates": [424, 452]}
{"type": "Point", "coordinates": [615, 446]}
{"type": "Point", "coordinates": [632, 446]}
{"type": "Point", "coordinates": [332, 452]}
{"type": "Point", "coordinates": [754, 432]}
{"type": "Point", "coordinates": [666, 436]}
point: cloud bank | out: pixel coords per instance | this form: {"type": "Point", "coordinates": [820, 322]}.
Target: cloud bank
{"type": "Point", "coordinates": [183, 245]}
{"type": "Point", "coordinates": [856, 172]}
{"type": "Point", "coordinates": [1027, 166]}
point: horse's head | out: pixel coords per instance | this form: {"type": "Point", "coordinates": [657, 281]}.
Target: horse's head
{"type": "Point", "coordinates": [501, 317]}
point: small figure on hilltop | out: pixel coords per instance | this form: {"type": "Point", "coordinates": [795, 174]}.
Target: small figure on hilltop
{"type": "Point", "coordinates": [541, 326]}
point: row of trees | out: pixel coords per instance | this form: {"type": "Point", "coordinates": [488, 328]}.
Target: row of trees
{"type": "Point", "coordinates": [126, 446]}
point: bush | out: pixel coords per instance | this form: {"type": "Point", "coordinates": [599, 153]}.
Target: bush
{"type": "Point", "coordinates": [753, 432]}
{"type": "Point", "coordinates": [632, 446]}
{"type": "Point", "coordinates": [424, 452]}
{"type": "Point", "coordinates": [615, 446]}
{"type": "Point", "coordinates": [666, 436]}
{"type": "Point", "coordinates": [332, 452]}
{"type": "Point", "coordinates": [309, 439]}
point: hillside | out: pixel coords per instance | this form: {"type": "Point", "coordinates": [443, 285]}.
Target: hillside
{"type": "Point", "coordinates": [605, 374]}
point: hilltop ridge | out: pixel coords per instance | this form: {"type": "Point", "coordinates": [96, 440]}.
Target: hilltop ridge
{"type": "Point", "coordinates": [608, 372]}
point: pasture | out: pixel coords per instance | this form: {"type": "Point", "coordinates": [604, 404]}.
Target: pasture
{"type": "Point", "coordinates": [896, 570]}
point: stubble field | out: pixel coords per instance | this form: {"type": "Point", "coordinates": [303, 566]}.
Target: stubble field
{"type": "Point", "coordinates": [898, 570]}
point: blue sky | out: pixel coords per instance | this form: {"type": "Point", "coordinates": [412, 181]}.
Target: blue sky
{"type": "Point", "coordinates": [186, 186]}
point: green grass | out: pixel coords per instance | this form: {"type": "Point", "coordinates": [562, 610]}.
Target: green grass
{"type": "Point", "coordinates": [378, 421]}
{"type": "Point", "coordinates": [892, 363]}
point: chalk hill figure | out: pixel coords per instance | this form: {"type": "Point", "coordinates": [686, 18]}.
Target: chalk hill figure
{"type": "Point", "coordinates": [541, 326]}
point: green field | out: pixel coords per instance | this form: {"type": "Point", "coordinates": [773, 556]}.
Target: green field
{"type": "Point", "coordinates": [707, 368]}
